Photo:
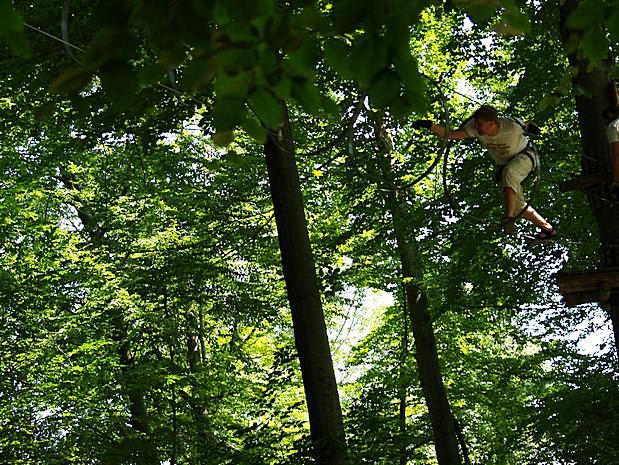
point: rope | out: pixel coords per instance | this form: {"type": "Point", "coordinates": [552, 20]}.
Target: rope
{"type": "Point", "coordinates": [445, 145]}
{"type": "Point", "coordinates": [64, 30]}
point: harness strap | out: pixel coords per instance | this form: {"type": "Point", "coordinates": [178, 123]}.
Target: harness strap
{"type": "Point", "coordinates": [527, 151]}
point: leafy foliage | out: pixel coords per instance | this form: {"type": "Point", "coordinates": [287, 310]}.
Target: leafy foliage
{"type": "Point", "coordinates": [139, 263]}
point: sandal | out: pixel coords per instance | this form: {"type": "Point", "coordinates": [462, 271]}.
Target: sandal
{"type": "Point", "coordinates": [545, 234]}
{"type": "Point", "coordinates": [508, 224]}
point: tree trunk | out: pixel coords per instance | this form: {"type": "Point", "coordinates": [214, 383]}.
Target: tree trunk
{"type": "Point", "coordinates": [138, 413]}
{"type": "Point", "coordinates": [443, 426]}
{"type": "Point", "coordinates": [600, 94]}
{"type": "Point", "coordinates": [204, 440]}
{"type": "Point", "coordinates": [402, 388]}
{"type": "Point", "coordinates": [323, 404]}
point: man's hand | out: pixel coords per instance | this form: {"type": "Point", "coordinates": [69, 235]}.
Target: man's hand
{"type": "Point", "coordinates": [422, 123]}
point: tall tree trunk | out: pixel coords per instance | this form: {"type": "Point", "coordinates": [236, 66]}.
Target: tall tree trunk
{"type": "Point", "coordinates": [443, 425]}
{"type": "Point", "coordinates": [323, 403]}
{"type": "Point", "coordinates": [402, 388]}
{"type": "Point", "coordinates": [204, 440]}
{"type": "Point", "coordinates": [599, 95]}
{"type": "Point", "coordinates": [138, 413]}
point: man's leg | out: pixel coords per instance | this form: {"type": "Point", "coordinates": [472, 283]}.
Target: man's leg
{"type": "Point", "coordinates": [537, 219]}
{"type": "Point", "coordinates": [509, 201]}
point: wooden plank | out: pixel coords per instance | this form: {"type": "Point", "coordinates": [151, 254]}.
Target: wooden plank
{"type": "Point", "coordinates": [577, 298]}
{"type": "Point", "coordinates": [584, 182]}
{"type": "Point", "coordinates": [587, 281]}
{"type": "Point", "coordinates": [601, 295]}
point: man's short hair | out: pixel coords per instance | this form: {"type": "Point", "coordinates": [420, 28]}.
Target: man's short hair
{"type": "Point", "coordinates": [611, 112]}
{"type": "Point", "coordinates": [486, 113]}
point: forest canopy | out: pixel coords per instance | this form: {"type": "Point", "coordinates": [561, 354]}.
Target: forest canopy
{"type": "Point", "coordinates": [223, 240]}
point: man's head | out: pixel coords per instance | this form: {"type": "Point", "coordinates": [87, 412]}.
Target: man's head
{"type": "Point", "coordinates": [610, 114]}
{"type": "Point", "coordinates": [486, 121]}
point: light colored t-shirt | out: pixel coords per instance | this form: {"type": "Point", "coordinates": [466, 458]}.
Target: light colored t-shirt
{"type": "Point", "coordinates": [613, 131]}
{"type": "Point", "coordinates": [509, 141]}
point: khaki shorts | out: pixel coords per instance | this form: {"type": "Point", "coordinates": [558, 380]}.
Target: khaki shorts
{"type": "Point", "coordinates": [512, 175]}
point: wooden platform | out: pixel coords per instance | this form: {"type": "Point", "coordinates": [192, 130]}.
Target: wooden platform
{"type": "Point", "coordinates": [585, 182]}
{"type": "Point", "coordinates": [588, 286]}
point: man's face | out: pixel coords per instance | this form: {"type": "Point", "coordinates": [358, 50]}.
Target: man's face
{"type": "Point", "coordinates": [486, 128]}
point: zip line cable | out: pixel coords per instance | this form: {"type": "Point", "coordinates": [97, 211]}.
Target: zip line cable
{"type": "Point", "coordinates": [56, 38]}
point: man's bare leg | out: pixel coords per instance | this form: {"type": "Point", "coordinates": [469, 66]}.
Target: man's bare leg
{"type": "Point", "coordinates": [509, 201]}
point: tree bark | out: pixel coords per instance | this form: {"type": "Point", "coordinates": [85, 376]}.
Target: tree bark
{"type": "Point", "coordinates": [138, 413]}
{"type": "Point", "coordinates": [402, 388]}
{"type": "Point", "coordinates": [323, 404]}
{"type": "Point", "coordinates": [599, 94]}
{"type": "Point", "coordinates": [441, 418]}
{"type": "Point", "coordinates": [204, 440]}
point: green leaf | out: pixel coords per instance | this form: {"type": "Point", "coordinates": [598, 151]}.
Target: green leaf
{"type": "Point", "coordinates": [513, 22]}
{"type": "Point", "coordinates": [233, 60]}
{"type": "Point", "coordinates": [45, 111]}
{"type": "Point", "coordinates": [337, 56]}
{"type": "Point", "coordinates": [589, 13]}
{"type": "Point", "coordinates": [329, 106]}
{"type": "Point", "coordinates": [480, 10]}
{"type": "Point", "coordinates": [267, 59]}
{"type": "Point", "coordinates": [233, 86]}
{"type": "Point", "coordinates": [254, 130]}
{"type": "Point", "coordinates": [266, 107]}
{"type": "Point", "coordinates": [385, 89]}
{"type": "Point", "coordinates": [594, 45]}
{"type": "Point", "coordinates": [368, 57]}
{"type": "Point", "coordinates": [151, 74]}
{"type": "Point", "coordinates": [302, 61]}
{"type": "Point", "coordinates": [71, 81]}
{"type": "Point", "coordinates": [10, 21]}
{"type": "Point", "coordinates": [311, 18]}
{"type": "Point", "coordinates": [283, 87]}
{"type": "Point", "coordinates": [199, 73]}
{"type": "Point", "coordinates": [400, 108]}
{"type": "Point", "coordinates": [408, 71]}
{"type": "Point", "coordinates": [223, 138]}
{"type": "Point", "coordinates": [12, 29]}
{"type": "Point", "coordinates": [227, 11]}
{"type": "Point", "coordinates": [348, 15]}
{"type": "Point", "coordinates": [120, 83]}
{"type": "Point", "coordinates": [548, 102]}
{"type": "Point", "coordinates": [227, 113]}
{"type": "Point", "coordinates": [612, 23]}
{"type": "Point", "coordinates": [308, 96]}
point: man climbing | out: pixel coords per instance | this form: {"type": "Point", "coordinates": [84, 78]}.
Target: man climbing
{"type": "Point", "coordinates": [515, 159]}
{"type": "Point", "coordinates": [611, 115]}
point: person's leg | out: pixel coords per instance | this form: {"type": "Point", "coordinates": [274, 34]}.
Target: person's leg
{"type": "Point", "coordinates": [512, 176]}
{"type": "Point", "coordinates": [509, 202]}
{"type": "Point", "coordinates": [537, 219]}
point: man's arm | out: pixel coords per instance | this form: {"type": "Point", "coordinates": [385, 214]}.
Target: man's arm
{"type": "Point", "coordinates": [458, 134]}
{"type": "Point", "coordinates": [440, 130]}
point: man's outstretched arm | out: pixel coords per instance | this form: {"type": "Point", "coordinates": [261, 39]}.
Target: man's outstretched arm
{"type": "Point", "coordinates": [439, 130]}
